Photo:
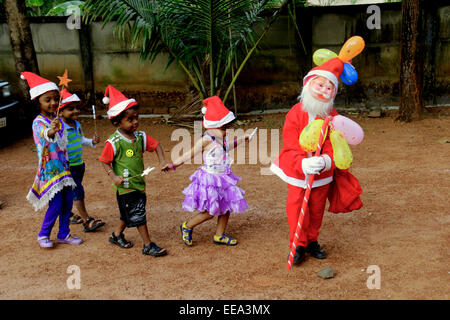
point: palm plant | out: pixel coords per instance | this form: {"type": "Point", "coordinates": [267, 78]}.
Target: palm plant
{"type": "Point", "coordinates": [207, 38]}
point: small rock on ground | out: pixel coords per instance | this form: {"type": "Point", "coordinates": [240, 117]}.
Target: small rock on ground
{"type": "Point", "coordinates": [326, 273]}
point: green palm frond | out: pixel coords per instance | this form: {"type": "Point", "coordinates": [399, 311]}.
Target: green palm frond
{"type": "Point", "coordinates": [203, 36]}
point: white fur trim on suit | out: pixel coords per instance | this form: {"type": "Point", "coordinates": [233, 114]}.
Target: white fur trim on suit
{"type": "Point", "coordinates": [217, 124]}
{"type": "Point", "coordinates": [118, 108]}
{"type": "Point", "coordinates": [43, 88]}
{"type": "Point", "coordinates": [297, 182]}
{"type": "Point", "coordinates": [323, 73]}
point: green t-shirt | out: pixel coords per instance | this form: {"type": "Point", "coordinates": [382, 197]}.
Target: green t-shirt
{"type": "Point", "coordinates": [128, 159]}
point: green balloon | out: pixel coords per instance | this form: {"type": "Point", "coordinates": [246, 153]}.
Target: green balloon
{"type": "Point", "coordinates": [321, 56]}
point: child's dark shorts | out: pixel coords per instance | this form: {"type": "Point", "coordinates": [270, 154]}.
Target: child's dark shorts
{"type": "Point", "coordinates": [77, 173]}
{"type": "Point", "coordinates": [132, 208]}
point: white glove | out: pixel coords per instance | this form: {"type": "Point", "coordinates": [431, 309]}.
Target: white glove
{"type": "Point", "coordinates": [313, 165]}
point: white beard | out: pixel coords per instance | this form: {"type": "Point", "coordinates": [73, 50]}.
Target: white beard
{"type": "Point", "coordinates": [314, 106]}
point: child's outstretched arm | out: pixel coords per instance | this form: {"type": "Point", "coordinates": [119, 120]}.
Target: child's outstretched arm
{"type": "Point", "coordinates": [160, 153]}
{"type": "Point", "coordinates": [90, 142]}
{"type": "Point", "coordinates": [188, 155]}
{"type": "Point", "coordinates": [239, 140]}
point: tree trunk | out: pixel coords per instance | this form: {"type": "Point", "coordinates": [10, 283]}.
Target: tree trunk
{"type": "Point", "coordinates": [21, 41]}
{"type": "Point", "coordinates": [86, 61]}
{"type": "Point", "coordinates": [411, 62]}
{"type": "Point", "coordinates": [431, 31]}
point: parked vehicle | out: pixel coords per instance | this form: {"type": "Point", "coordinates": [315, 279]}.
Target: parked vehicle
{"type": "Point", "coordinates": [9, 111]}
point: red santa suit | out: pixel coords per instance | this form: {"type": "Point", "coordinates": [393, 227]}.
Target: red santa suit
{"type": "Point", "coordinates": [340, 186]}
{"type": "Point", "coordinates": [288, 166]}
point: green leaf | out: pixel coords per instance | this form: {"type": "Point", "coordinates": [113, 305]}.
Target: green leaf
{"type": "Point", "coordinates": [202, 36]}
{"type": "Point", "coordinates": [66, 8]}
{"type": "Point", "coordinates": [34, 3]}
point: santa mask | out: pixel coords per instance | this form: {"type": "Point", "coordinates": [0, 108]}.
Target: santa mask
{"type": "Point", "coordinates": [318, 96]}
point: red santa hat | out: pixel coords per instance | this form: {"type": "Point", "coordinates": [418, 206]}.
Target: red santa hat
{"type": "Point", "coordinates": [118, 103]}
{"type": "Point", "coordinates": [330, 70]}
{"type": "Point", "coordinates": [215, 113]}
{"type": "Point", "coordinates": [37, 84]}
{"type": "Point", "coordinates": [67, 97]}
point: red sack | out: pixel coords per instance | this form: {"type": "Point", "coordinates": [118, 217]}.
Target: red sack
{"type": "Point", "coordinates": [344, 192]}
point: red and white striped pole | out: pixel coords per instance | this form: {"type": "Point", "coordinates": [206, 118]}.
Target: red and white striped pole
{"type": "Point", "coordinates": [301, 216]}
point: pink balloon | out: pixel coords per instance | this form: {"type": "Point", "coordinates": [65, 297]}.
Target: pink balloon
{"type": "Point", "coordinates": [351, 131]}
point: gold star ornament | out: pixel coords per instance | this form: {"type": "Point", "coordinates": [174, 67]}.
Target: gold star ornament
{"type": "Point", "coordinates": [64, 81]}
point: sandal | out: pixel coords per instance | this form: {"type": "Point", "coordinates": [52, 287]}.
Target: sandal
{"type": "Point", "coordinates": [71, 240]}
{"type": "Point", "coordinates": [76, 219]}
{"type": "Point", "coordinates": [120, 241]}
{"type": "Point", "coordinates": [153, 250]}
{"type": "Point", "coordinates": [224, 239]}
{"type": "Point", "coordinates": [186, 234]}
{"type": "Point", "coordinates": [45, 242]}
{"type": "Point", "coordinates": [91, 224]}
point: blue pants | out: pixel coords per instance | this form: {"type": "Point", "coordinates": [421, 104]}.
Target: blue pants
{"type": "Point", "coordinates": [77, 173]}
{"type": "Point", "coordinates": [60, 205]}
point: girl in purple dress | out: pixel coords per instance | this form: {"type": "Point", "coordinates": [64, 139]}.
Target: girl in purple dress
{"type": "Point", "coordinates": [213, 190]}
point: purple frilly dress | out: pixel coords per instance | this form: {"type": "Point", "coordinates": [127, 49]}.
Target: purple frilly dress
{"type": "Point", "coordinates": [213, 186]}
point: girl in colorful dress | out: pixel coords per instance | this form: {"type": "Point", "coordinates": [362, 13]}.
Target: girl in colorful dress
{"type": "Point", "coordinates": [53, 182]}
{"type": "Point", "coordinates": [213, 190]}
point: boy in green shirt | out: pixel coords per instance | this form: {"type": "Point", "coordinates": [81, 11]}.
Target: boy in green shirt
{"type": "Point", "coordinates": [122, 157]}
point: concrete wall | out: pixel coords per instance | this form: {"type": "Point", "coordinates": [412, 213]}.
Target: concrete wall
{"type": "Point", "coordinates": [378, 66]}
{"type": "Point", "coordinates": [271, 79]}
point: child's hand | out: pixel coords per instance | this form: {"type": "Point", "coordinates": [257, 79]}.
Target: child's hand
{"type": "Point", "coordinates": [95, 139]}
{"type": "Point", "coordinates": [55, 125]}
{"type": "Point", "coordinates": [167, 167]}
{"type": "Point", "coordinates": [117, 180]}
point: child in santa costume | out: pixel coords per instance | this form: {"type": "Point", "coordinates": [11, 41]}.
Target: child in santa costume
{"type": "Point", "coordinates": [69, 111]}
{"type": "Point", "coordinates": [122, 159]}
{"type": "Point", "coordinates": [294, 165]}
{"type": "Point", "coordinates": [213, 190]}
{"type": "Point", "coordinates": [53, 182]}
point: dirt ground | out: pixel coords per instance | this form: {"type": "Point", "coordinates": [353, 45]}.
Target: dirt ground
{"type": "Point", "coordinates": [403, 228]}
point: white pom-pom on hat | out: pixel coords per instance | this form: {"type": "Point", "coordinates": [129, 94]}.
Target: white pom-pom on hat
{"type": "Point", "coordinates": [22, 77]}
{"type": "Point", "coordinates": [105, 100]}
{"type": "Point", "coordinates": [204, 110]}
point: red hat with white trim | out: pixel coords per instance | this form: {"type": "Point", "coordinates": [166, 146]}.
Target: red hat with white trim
{"type": "Point", "coordinates": [37, 84]}
{"type": "Point", "coordinates": [118, 103]}
{"type": "Point", "coordinates": [67, 97]}
{"type": "Point", "coordinates": [215, 113]}
{"type": "Point", "coordinates": [330, 70]}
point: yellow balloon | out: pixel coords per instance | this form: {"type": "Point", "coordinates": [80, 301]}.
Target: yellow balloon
{"type": "Point", "coordinates": [351, 48]}
{"type": "Point", "coordinates": [321, 56]}
{"type": "Point", "coordinates": [342, 154]}
{"type": "Point", "coordinates": [309, 137]}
